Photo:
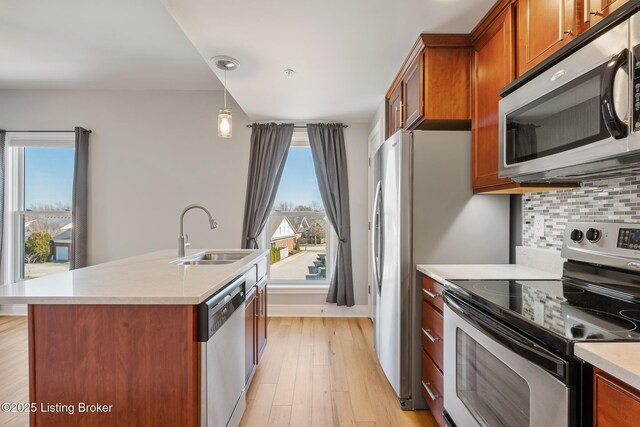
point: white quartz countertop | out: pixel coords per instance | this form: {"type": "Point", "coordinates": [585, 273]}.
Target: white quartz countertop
{"type": "Point", "coordinates": [143, 279]}
{"type": "Point", "coordinates": [620, 360]}
{"type": "Point", "coordinates": [445, 272]}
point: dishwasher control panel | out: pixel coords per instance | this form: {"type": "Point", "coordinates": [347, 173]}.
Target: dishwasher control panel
{"type": "Point", "coordinates": [214, 312]}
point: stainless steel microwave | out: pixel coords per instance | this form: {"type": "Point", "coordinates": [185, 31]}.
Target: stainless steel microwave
{"type": "Point", "coordinates": [579, 119]}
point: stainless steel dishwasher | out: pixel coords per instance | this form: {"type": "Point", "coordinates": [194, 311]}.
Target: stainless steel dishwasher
{"type": "Point", "coordinates": [221, 329]}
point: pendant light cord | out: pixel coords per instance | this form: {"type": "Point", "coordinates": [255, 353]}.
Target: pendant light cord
{"type": "Point", "coordinates": [225, 89]}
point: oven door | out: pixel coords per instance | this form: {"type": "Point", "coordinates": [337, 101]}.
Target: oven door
{"type": "Point", "coordinates": [495, 377]}
{"type": "Point", "coordinates": [573, 114]}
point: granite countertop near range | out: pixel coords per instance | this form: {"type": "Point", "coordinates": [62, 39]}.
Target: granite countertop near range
{"type": "Point", "coordinates": [619, 359]}
{"type": "Point", "coordinates": [445, 272]}
{"type": "Point", "coordinates": [151, 278]}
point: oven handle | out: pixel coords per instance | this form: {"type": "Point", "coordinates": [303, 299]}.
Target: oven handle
{"type": "Point", "coordinates": [617, 128]}
{"type": "Point", "coordinates": [517, 343]}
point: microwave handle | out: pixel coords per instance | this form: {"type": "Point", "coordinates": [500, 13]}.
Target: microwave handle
{"type": "Point", "coordinates": [522, 346]}
{"type": "Point", "coordinates": [617, 128]}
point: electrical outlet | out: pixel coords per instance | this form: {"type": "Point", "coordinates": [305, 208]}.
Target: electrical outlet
{"type": "Point", "coordinates": [538, 225]}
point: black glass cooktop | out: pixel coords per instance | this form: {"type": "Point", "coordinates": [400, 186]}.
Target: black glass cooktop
{"type": "Point", "coordinates": [559, 313]}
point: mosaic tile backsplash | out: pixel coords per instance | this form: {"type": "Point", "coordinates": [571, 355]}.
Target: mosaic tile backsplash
{"type": "Point", "coordinates": [610, 200]}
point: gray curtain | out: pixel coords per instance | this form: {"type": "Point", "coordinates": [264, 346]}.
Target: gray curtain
{"type": "Point", "coordinates": [78, 255]}
{"type": "Point", "coordinates": [330, 162]}
{"type": "Point", "coordinates": [2, 170]}
{"type": "Point", "coordinates": [269, 148]}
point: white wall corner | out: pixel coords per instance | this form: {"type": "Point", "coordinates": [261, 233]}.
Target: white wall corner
{"type": "Point", "coordinates": [316, 310]}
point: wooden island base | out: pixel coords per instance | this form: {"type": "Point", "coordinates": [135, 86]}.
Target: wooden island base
{"type": "Point", "coordinates": [141, 360]}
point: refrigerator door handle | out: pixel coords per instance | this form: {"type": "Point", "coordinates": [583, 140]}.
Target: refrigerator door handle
{"type": "Point", "coordinates": [375, 241]}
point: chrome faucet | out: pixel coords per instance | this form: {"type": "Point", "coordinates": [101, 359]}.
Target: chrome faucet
{"type": "Point", "coordinates": [183, 240]}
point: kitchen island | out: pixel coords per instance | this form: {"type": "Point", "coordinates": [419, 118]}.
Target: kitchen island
{"type": "Point", "coordinates": [115, 343]}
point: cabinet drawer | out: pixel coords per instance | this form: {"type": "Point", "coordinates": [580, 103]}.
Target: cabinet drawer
{"type": "Point", "coordinates": [432, 331]}
{"type": "Point", "coordinates": [432, 292]}
{"type": "Point", "coordinates": [432, 384]}
{"type": "Point", "coordinates": [616, 403]}
{"type": "Point", "coordinates": [250, 276]}
{"type": "Point", "coordinates": [261, 268]}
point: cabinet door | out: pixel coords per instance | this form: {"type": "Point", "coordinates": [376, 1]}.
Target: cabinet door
{"type": "Point", "coordinates": [615, 404]}
{"type": "Point", "coordinates": [250, 335]}
{"type": "Point", "coordinates": [544, 26]}
{"type": "Point", "coordinates": [412, 86]}
{"type": "Point", "coordinates": [262, 319]}
{"type": "Point", "coordinates": [597, 10]}
{"type": "Point", "coordinates": [394, 111]}
{"type": "Point", "coordinates": [493, 68]}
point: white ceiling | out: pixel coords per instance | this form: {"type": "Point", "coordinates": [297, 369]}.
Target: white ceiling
{"type": "Point", "coordinates": [345, 52]}
{"type": "Point", "coordinates": [96, 44]}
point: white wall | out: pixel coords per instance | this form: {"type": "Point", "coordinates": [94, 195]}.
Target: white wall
{"type": "Point", "coordinates": [151, 154]}
{"type": "Point", "coordinates": [154, 152]}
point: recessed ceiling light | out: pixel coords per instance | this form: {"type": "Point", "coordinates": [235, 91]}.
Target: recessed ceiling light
{"type": "Point", "coordinates": [289, 73]}
{"type": "Point", "coordinates": [225, 63]}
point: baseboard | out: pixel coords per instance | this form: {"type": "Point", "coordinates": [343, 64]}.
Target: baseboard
{"type": "Point", "coordinates": [316, 310]}
{"type": "Point", "coordinates": [13, 309]}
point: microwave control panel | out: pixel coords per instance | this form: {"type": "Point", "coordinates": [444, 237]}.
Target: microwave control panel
{"type": "Point", "coordinates": [636, 88]}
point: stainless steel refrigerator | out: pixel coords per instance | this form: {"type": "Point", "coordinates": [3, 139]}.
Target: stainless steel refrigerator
{"type": "Point", "coordinates": [424, 212]}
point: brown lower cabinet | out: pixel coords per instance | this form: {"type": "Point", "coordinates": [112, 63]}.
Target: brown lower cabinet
{"type": "Point", "coordinates": [615, 403]}
{"type": "Point", "coordinates": [255, 327]}
{"type": "Point", "coordinates": [261, 319]}
{"type": "Point", "coordinates": [432, 347]}
{"type": "Point", "coordinates": [432, 386]}
{"type": "Point", "coordinates": [250, 361]}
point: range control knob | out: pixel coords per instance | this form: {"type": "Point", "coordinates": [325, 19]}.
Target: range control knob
{"type": "Point", "coordinates": [593, 235]}
{"type": "Point", "coordinates": [577, 235]}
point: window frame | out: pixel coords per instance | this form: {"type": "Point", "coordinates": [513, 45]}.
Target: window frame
{"type": "Point", "coordinates": [300, 139]}
{"type": "Point", "coordinates": [15, 210]}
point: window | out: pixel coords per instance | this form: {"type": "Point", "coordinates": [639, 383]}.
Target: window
{"type": "Point", "coordinates": [39, 196]}
{"type": "Point", "coordinates": [298, 231]}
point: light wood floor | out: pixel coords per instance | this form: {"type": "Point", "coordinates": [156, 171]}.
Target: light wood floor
{"type": "Point", "coordinates": [14, 368]}
{"type": "Point", "coordinates": [314, 372]}
{"type": "Point", "coordinates": [323, 372]}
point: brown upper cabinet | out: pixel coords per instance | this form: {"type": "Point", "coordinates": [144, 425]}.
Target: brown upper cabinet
{"type": "Point", "coordinates": [596, 10]}
{"type": "Point", "coordinates": [543, 27]}
{"type": "Point", "coordinates": [431, 90]}
{"type": "Point", "coordinates": [394, 108]}
{"type": "Point", "coordinates": [497, 54]}
{"type": "Point", "coordinates": [493, 69]}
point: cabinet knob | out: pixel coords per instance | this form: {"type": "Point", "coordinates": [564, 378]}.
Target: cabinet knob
{"type": "Point", "coordinates": [595, 13]}
{"type": "Point", "coordinates": [568, 32]}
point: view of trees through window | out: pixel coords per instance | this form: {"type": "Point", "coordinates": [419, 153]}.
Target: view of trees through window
{"type": "Point", "coordinates": [44, 222]}
{"type": "Point", "coordinates": [298, 228]}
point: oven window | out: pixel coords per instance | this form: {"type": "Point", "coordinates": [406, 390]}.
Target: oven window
{"type": "Point", "coordinates": [567, 118]}
{"type": "Point", "coordinates": [492, 392]}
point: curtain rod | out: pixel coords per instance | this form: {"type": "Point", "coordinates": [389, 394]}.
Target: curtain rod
{"type": "Point", "coordinates": [46, 131]}
{"type": "Point", "coordinates": [300, 126]}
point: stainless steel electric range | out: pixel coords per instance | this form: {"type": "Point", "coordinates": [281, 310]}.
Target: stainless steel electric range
{"type": "Point", "coordinates": [509, 357]}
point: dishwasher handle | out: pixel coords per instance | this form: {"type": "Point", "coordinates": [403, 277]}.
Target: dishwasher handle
{"type": "Point", "coordinates": [214, 312]}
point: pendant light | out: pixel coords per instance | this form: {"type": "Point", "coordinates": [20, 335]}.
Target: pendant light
{"type": "Point", "coordinates": [225, 120]}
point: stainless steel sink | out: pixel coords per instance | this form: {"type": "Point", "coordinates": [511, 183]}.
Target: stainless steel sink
{"type": "Point", "coordinates": [214, 257]}
{"type": "Point", "coordinates": [205, 261]}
